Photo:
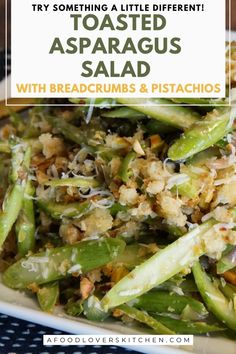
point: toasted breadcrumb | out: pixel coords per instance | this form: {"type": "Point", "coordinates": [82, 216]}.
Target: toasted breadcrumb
{"type": "Point", "coordinates": [52, 146]}
{"type": "Point", "coordinates": [115, 165]}
{"type": "Point", "coordinates": [6, 131]}
{"type": "Point", "coordinates": [70, 233]}
{"type": "Point", "coordinates": [41, 177]}
{"type": "Point", "coordinates": [128, 196]}
{"type": "Point", "coordinates": [143, 210]}
{"type": "Point", "coordinates": [226, 194]}
{"type": "Point", "coordinates": [216, 239]}
{"type": "Point", "coordinates": [33, 287]}
{"type": "Point", "coordinates": [97, 223]}
{"type": "Point", "coordinates": [155, 187]}
{"type": "Point", "coordinates": [86, 287]}
{"type": "Point", "coordinates": [223, 215]}
{"type": "Point", "coordinates": [170, 209]}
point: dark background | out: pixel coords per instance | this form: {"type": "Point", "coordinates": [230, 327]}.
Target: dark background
{"type": "Point", "coordinates": [2, 24]}
{"type": "Point", "coordinates": [2, 20]}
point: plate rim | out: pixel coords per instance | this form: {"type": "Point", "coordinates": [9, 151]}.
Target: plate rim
{"type": "Point", "coordinates": [20, 305]}
{"type": "Point", "coordinates": [61, 323]}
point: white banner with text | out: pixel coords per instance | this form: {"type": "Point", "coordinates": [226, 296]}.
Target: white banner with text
{"type": "Point", "coordinates": [137, 48]}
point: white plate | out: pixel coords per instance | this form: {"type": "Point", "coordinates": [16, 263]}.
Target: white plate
{"type": "Point", "coordinates": [20, 305]}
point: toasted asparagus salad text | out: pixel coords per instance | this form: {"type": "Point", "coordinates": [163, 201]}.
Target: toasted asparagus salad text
{"type": "Point", "coordinates": [126, 212]}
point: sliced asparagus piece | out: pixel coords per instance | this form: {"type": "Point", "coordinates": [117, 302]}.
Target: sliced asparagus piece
{"type": "Point", "coordinates": [123, 112]}
{"type": "Point", "coordinates": [179, 117]}
{"type": "Point", "coordinates": [13, 199]}
{"type": "Point", "coordinates": [159, 268]}
{"type": "Point", "coordinates": [187, 327]}
{"type": "Point", "coordinates": [82, 182]}
{"type": "Point", "coordinates": [93, 309]}
{"type": "Point", "coordinates": [124, 168]}
{"type": "Point", "coordinates": [4, 147]}
{"type": "Point", "coordinates": [70, 132]}
{"type": "Point", "coordinates": [70, 210]}
{"type": "Point", "coordinates": [163, 301]}
{"type": "Point", "coordinates": [25, 225]}
{"type": "Point", "coordinates": [59, 263]}
{"type": "Point", "coordinates": [142, 317]}
{"type": "Point", "coordinates": [48, 296]}
{"type": "Point", "coordinates": [203, 134]}
{"type": "Point", "coordinates": [227, 262]}
{"type": "Point", "coordinates": [215, 301]}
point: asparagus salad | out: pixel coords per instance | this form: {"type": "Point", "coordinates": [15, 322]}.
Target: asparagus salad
{"type": "Point", "coordinates": [124, 212]}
